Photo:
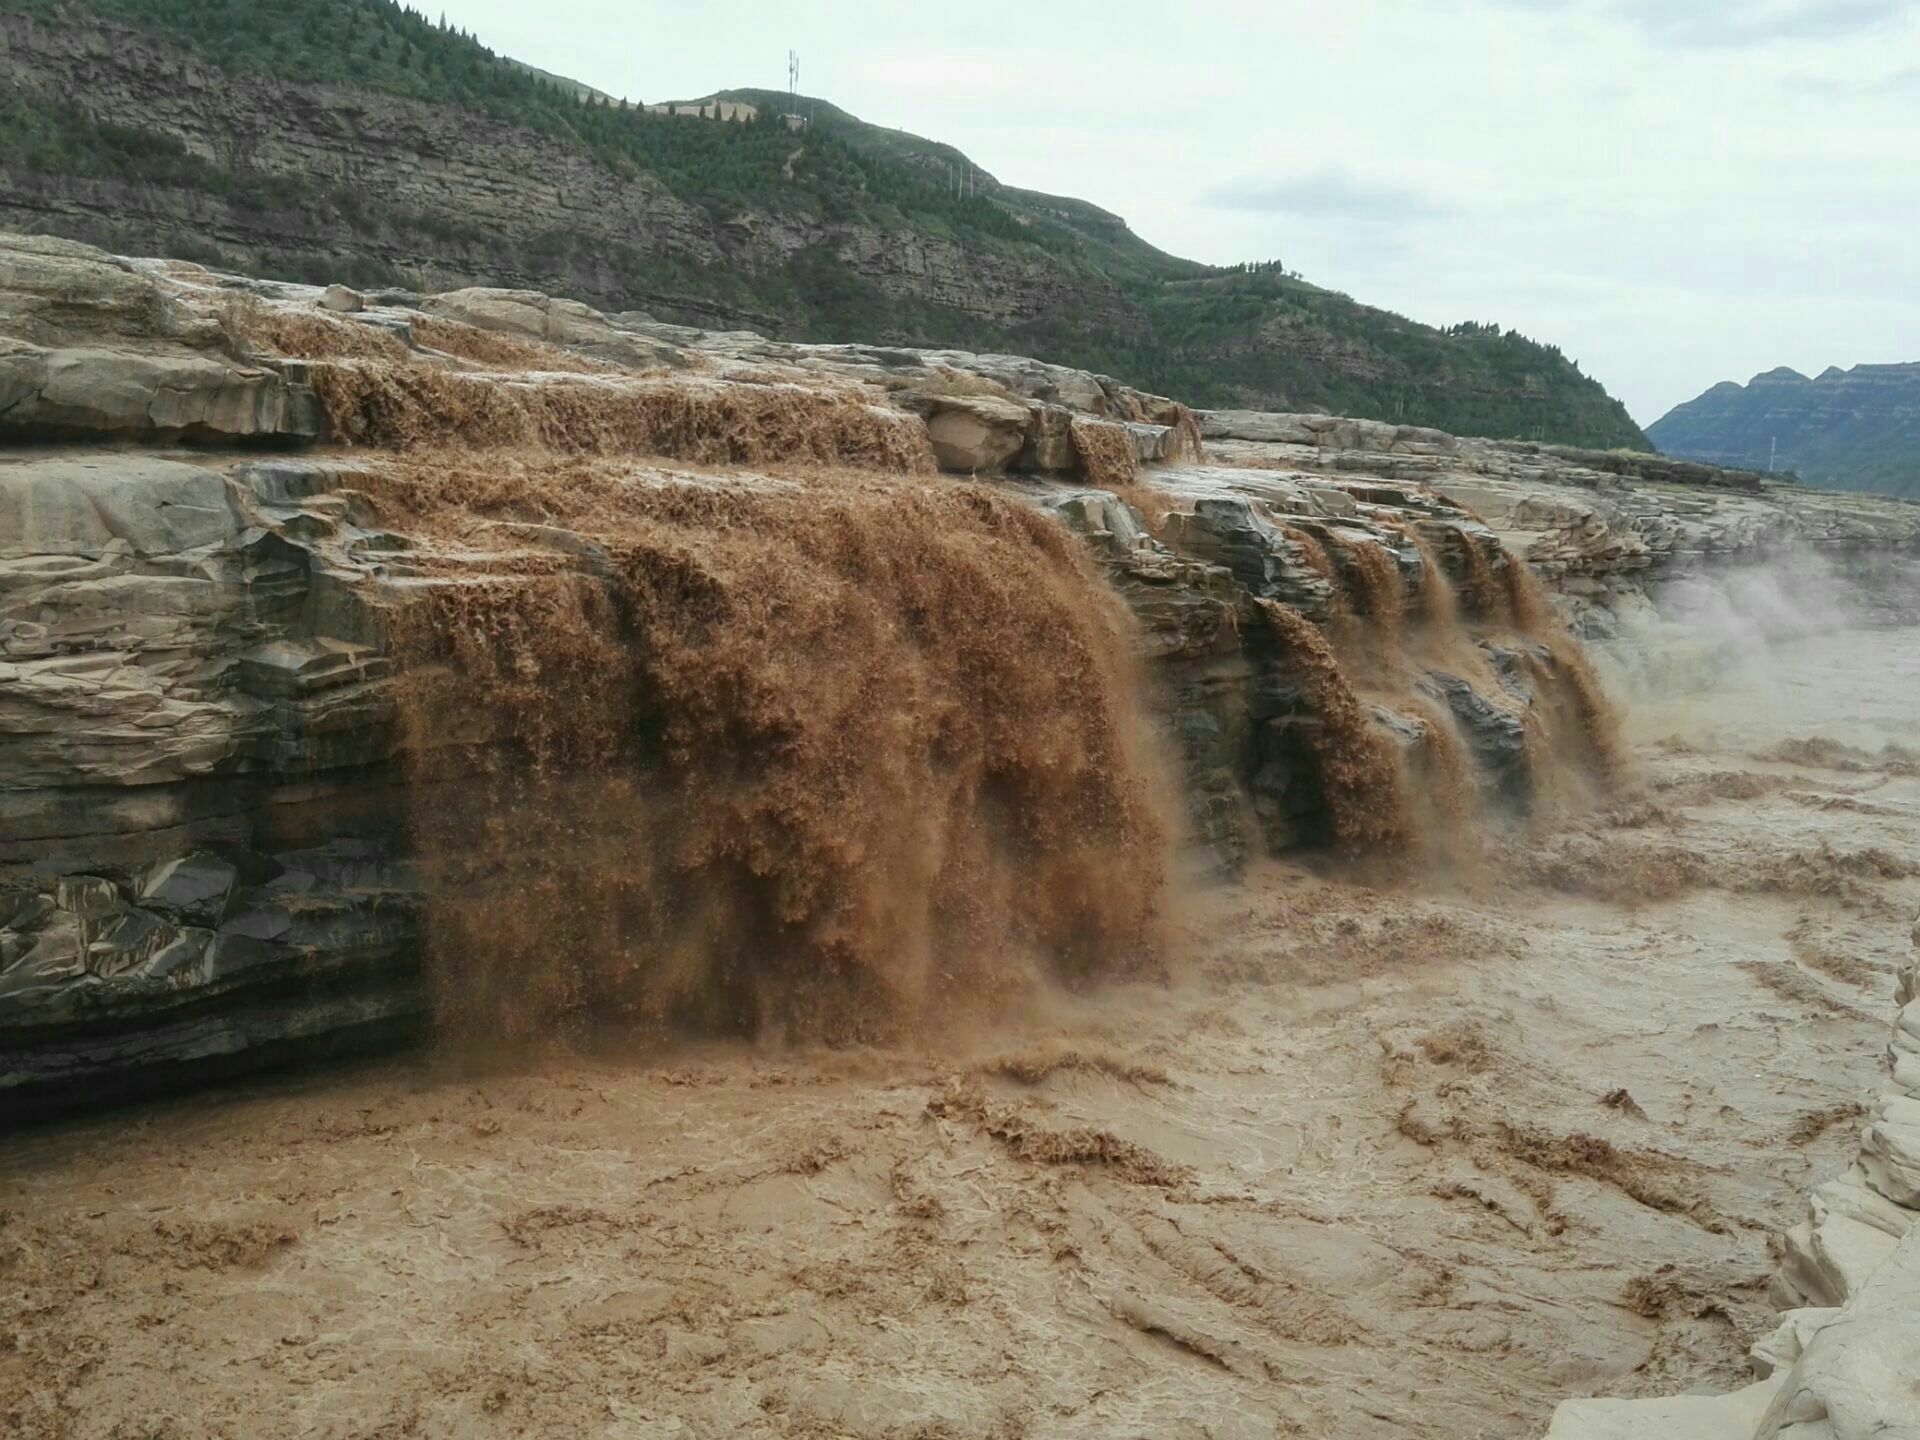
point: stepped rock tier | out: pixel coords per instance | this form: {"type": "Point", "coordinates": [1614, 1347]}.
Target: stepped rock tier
{"type": "Point", "coordinates": [338, 140]}
{"type": "Point", "coordinates": [361, 653]}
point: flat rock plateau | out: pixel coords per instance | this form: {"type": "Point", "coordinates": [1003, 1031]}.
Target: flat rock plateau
{"type": "Point", "coordinates": [567, 875]}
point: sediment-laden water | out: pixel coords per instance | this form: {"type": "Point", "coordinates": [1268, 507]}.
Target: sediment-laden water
{"type": "Point", "coordinates": [776, 830]}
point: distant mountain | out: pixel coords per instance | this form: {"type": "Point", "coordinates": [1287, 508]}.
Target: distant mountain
{"type": "Point", "coordinates": [357, 139]}
{"type": "Point", "coordinates": [1855, 429]}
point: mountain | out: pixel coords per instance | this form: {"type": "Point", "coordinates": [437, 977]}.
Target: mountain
{"type": "Point", "coordinates": [329, 139]}
{"type": "Point", "coordinates": [1855, 429]}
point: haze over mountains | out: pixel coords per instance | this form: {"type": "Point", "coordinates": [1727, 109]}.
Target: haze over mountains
{"type": "Point", "coordinates": [1855, 429]}
{"type": "Point", "coordinates": [328, 138]}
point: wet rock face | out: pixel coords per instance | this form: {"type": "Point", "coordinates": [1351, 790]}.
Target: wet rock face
{"type": "Point", "coordinates": [204, 859]}
{"type": "Point", "coordinates": [208, 858]}
{"type": "Point", "coordinates": [1494, 733]}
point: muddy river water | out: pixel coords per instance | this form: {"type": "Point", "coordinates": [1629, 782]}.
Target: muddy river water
{"type": "Point", "coordinates": [1372, 1162]}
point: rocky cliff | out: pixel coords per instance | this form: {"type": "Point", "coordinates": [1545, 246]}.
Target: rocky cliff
{"type": "Point", "coordinates": [1855, 429]}
{"type": "Point", "coordinates": [350, 140]}
{"type": "Point", "coordinates": [354, 647]}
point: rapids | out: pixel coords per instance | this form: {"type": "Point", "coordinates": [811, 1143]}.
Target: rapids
{"type": "Point", "coordinates": [1417, 1161]}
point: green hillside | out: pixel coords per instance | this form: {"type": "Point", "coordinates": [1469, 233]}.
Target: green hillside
{"type": "Point", "coordinates": [1855, 429]}
{"type": "Point", "coordinates": [1010, 269]}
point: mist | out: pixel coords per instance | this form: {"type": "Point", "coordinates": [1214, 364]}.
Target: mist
{"type": "Point", "coordinates": [1747, 656]}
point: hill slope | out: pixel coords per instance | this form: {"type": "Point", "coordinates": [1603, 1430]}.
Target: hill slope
{"type": "Point", "coordinates": [320, 138]}
{"type": "Point", "coordinates": [1855, 429]}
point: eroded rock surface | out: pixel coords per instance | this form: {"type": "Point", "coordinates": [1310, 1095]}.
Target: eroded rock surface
{"type": "Point", "coordinates": [208, 856]}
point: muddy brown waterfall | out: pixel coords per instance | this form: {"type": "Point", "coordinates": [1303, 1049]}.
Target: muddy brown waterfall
{"type": "Point", "coordinates": [1376, 586]}
{"type": "Point", "coordinates": [1361, 775]}
{"type": "Point", "coordinates": [1376, 726]}
{"type": "Point", "coordinates": [811, 756]}
{"type": "Point", "coordinates": [1587, 731]}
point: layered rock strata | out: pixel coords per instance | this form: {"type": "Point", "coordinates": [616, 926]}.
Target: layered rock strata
{"type": "Point", "coordinates": [1603, 528]}
{"type": "Point", "coordinates": [208, 854]}
{"type": "Point", "coordinates": [1857, 428]}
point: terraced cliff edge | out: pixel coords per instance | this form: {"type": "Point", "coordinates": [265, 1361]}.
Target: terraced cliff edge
{"type": "Point", "coordinates": [355, 140]}
{"type": "Point", "coordinates": [354, 646]}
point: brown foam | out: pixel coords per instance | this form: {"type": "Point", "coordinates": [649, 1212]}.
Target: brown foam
{"type": "Point", "coordinates": [1189, 446]}
{"type": "Point", "coordinates": [1360, 768]}
{"type": "Point", "coordinates": [490, 347]}
{"type": "Point", "coordinates": [1591, 725]}
{"type": "Point", "coordinates": [1105, 452]}
{"type": "Point", "coordinates": [1486, 595]}
{"type": "Point", "coordinates": [686, 418]}
{"type": "Point", "coordinates": [822, 757]}
{"type": "Point", "coordinates": [1376, 588]}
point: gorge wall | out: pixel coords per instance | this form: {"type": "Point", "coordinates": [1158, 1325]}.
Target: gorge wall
{"type": "Point", "coordinates": [460, 195]}
{"type": "Point", "coordinates": [352, 140]}
{"type": "Point", "coordinates": [354, 653]}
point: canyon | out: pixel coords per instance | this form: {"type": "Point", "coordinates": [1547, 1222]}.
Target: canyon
{"type": "Point", "coordinates": [354, 140]}
{"type": "Point", "coordinates": [851, 889]}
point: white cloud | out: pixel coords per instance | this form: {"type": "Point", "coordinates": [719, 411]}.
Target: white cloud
{"type": "Point", "coordinates": [1716, 24]}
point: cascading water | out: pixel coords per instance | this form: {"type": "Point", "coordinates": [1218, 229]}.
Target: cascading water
{"type": "Point", "coordinates": [1399, 671]}
{"type": "Point", "coordinates": [1436, 603]}
{"type": "Point", "coordinates": [1376, 590]}
{"type": "Point", "coordinates": [822, 756]}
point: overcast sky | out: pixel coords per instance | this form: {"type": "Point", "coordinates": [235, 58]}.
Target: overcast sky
{"type": "Point", "coordinates": [1675, 192]}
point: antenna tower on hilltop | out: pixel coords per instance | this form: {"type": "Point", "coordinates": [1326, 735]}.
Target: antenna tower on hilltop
{"type": "Point", "coordinates": [794, 117]}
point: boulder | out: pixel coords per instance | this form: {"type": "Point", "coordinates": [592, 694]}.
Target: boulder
{"type": "Point", "coordinates": [526, 313]}
{"type": "Point", "coordinates": [1049, 445]}
{"type": "Point", "coordinates": [111, 394]}
{"type": "Point", "coordinates": [1152, 444]}
{"type": "Point", "coordinates": [1684, 1417]}
{"type": "Point", "coordinates": [1787, 1341]}
{"type": "Point", "coordinates": [341, 300]}
{"type": "Point", "coordinates": [1858, 1376]}
{"type": "Point", "coordinates": [976, 434]}
{"type": "Point", "coordinates": [1890, 1151]}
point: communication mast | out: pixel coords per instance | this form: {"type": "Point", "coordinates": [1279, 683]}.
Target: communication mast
{"type": "Point", "coordinates": [794, 118]}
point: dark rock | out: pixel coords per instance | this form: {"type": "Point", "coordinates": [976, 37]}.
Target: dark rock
{"type": "Point", "coordinates": [1495, 735]}
{"type": "Point", "coordinates": [193, 889]}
